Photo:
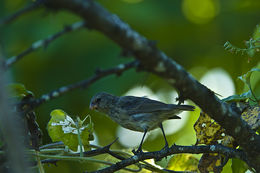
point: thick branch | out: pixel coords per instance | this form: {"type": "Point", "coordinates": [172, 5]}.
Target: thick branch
{"type": "Point", "coordinates": [42, 43]}
{"type": "Point", "coordinates": [174, 150]}
{"type": "Point", "coordinates": [118, 70]}
{"type": "Point", "coordinates": [155, 61]}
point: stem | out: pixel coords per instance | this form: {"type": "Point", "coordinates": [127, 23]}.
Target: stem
{"type": "Point", "coordinates": [39, 163]}
{"type": "Point", "coordinates": [79, 138]}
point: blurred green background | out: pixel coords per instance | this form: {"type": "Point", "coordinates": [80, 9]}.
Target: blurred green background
{"type": "Point", "coordinates": [193, 32]}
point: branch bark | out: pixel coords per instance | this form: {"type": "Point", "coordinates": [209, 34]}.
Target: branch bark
{"type": "Point", "coordinates": [117, 70]}
{"type": "Point", "coordinates": [42, 43]}
{"type": "Point", "coordinates": [174, 150]}
{"type": "Point", "coordinates": [155, 61]}
{"type": "Point", "coordinates": [21, 12]}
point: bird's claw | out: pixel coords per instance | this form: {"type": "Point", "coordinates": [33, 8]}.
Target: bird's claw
{"type": "Point", "coordinates": [165, 147]}
{"type": "Point", "coordinates": [138, 151]}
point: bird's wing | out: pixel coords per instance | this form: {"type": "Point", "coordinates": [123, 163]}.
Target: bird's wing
{"type": "Point", "coordinates": [139, 105]}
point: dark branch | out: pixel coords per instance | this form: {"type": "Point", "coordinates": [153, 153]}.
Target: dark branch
{"type": "Point", "coordinates": [155, 61]}
{"type": "Point", "coordinates": [20, 12]}
{"type": "Point", "coordinates": [157, 155]}
{"type": "Point", "coordinates": [42, 43]}
{"type": "Point", "coordinates": [52, 145]}
{"type": "Point", "coordinates": [98, 151]}
{"type": "Point", "coordinates": [81, 84]}
{"type": "Point", "coordinates": [50, 161]}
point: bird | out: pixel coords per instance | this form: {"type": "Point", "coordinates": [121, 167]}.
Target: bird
{"type": "Point", "coordinates": [137, 113]}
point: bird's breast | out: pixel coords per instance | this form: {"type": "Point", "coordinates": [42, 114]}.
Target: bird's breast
{"type": "Point", "coordinates": [136, 122]}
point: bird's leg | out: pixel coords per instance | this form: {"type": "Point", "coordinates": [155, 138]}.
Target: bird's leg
{"type": "Point", "coordinates": [166, 143]}
{"type": "Point", "coordinates": [139, 150]}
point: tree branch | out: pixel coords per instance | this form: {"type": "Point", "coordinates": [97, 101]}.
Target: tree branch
{"type": "Point", "coordinates": [42, 43]}
{"type": "Point", "coordinates": [50, 148]}
{"type": "Point", "coordinates": [175, 149]}
{"type": "Point", "coordinates": [155, 61]}
{"type": "Point", "coordinates": [118, 70]}
{"type": "Point", "coordinates": [20, 12]}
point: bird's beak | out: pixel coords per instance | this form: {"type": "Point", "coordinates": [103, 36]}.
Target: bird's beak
{"type": "Point", "coordinates": [93, 107]}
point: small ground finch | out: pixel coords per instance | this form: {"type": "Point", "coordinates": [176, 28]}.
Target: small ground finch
{"type": "Point", "coordinates": [137, 113]}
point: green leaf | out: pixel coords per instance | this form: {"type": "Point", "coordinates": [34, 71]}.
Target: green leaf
{"type": "Point", "coordinates": [19, 91]}
{"type": "Point", "coordinates": [238, 166]}
{"type": "Point", "coordinates": [246, 77]}
{"type": "Point", "coordinates": [238, 98]}
{"type": "Point", "coordinates": [62, 127]}
{"type": "Point", "coordinates": [183, 162]}
{"type": "Point", "coordinates": [256, 34]}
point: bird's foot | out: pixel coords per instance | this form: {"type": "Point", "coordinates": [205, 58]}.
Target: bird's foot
{"type": "Point", "coordinates": [138, 151]}
{"type": "Point", "coordinates": [166, 147]}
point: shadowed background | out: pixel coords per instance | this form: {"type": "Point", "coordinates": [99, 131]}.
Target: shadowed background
{"type": "Point", "coordinates": [193, 32]}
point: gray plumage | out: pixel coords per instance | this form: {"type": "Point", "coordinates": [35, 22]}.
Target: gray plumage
{"type": "Point", "coordinates": [137, 113]}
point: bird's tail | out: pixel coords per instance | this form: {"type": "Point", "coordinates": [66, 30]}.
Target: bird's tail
{"type": "Point", "coordinates": [185, 107]}
{"type": "Point", "coordinates": [176, 109]}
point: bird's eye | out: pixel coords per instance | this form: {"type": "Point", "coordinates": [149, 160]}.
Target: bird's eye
{"type": "Point", "coordinates": [98, 100]}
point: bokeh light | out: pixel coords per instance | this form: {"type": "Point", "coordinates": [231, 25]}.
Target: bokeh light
{"type": "Point", "coordinates": [219, 81]}
{"type": "Point", "coordinates": [129, 138]}
{"type": "Point", "coordinates": [200, 11]}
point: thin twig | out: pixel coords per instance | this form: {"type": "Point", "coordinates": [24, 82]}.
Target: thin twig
{"type": "Point", "coordinates": [144, 164]}
{"type": "Point", "coordinates": [118, 70]}
{"type": "Point", "coordinates": [50, 161]}
{"type": "Point", "coordinates": [74, 158]}
{"type": "Point", "coordinates": [42, 43]}
{"type": "Point", "coordinates": [230, 152]}
{"type": "Point", "coordinates": [52, 145]}
{"type": "Point", "coordinates": [57, 154]}
{"type": "Point", "coordinates": [98, 151]}
{"type": "Point", "coordinates": [20, 12]}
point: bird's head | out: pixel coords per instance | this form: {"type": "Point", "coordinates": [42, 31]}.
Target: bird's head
{"type": "Point", "coordinates": [102, 102]}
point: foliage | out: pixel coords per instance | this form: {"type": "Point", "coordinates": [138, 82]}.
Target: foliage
{"type": "Point", "coordinates": [248, 95]}
{"type": "Point", "coordinates": [61, 127]}
{"type": "Point", "coordinates": [19, 91]}
{"type": "Point", "coordinates": [183, 162]}
{"type": "Point", "coordinates": [209, 132]}
{"type": "Point", "coordinates": [252, 45]}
